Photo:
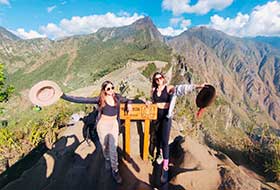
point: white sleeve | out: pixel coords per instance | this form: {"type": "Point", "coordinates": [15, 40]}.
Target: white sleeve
{"type": "Point", "coordinates": [183, 89]}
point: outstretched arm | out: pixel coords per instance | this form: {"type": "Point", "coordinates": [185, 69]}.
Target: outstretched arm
{"type": "Point", "coordinates": [123, 99]}
{"type": "Point", "coordinates": [82, 100]}
{"type": "Point", "coordinates": [179, 90]}
{"type": "Point", "coordinates": [183, 89]}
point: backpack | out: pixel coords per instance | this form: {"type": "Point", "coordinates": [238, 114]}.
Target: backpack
{"type": "Point", "coordinates": [89, 130]}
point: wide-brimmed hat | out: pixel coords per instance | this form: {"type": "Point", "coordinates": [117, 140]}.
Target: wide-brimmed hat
{"type": "Point", "coordinates": [45, 93]}
{"type": "Point", "coordinates": [204, 98]}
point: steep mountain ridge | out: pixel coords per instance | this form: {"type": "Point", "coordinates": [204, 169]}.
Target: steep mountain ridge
{"type": "Point", "coordinates": [6, 35]}
{"type": "Point", "coordinates": [249, 70]}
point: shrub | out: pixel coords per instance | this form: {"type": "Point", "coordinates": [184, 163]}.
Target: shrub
{"type": "Point", "coordinates": [149, 70]}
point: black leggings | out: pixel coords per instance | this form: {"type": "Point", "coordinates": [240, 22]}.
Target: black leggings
{"type": "Point", "coordinates": [159, 134]}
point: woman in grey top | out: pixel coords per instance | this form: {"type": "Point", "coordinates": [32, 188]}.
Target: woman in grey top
{"type": "Point", "coordinates": [107, 122]}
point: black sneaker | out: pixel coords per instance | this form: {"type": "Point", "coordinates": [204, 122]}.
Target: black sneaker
{"type": "Point", "coordinates": [117, 176]}
{"type": "Point", "coordinates": [164, 176]}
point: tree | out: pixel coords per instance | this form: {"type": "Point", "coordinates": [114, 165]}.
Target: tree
{"type": "Point", "coordinates": [5, 89]}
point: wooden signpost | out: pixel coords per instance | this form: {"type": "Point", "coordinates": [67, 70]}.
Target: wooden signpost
{"type": "Point", "coordinates": [139, 112]}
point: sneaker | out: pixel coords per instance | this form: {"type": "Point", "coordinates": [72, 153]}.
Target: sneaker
{"type": "Point", "coordinates": [164, 176]}
{"type": "Point", "coordinates": [117, 176]}
{"type": "Point", "coordinates": [107, 164]}
{"type": "Point", "coordinates": [159, 159]}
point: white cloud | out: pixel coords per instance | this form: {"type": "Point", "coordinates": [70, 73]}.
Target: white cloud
{"type": "Point", "coordinates": [63, 3]}
{"type": "Point", "coordinates": [87, 24]}
{"type": "Point", "coordinates": [263, 20]}
{"type": "Point", "coordinates": [233, 26]}
{"type": "Point", "coordinates": [185, 23]}
{"type": "Point", "coordinates": [123, 13]}
{"type": "Point", "coordinates": [201, 7]}
{"type": "Point", "coordinates": [28, 35]}
{"type": "Point", "coordinates": [174, 22]}
{"type": "Point", "coordinates": [5, 2]}
{"type": "Point", "coordinates": [50, 9]}
{"type": "Point", "coordinates": [53, 31]}
{"type": "Point", "coordinates": [169, 31]}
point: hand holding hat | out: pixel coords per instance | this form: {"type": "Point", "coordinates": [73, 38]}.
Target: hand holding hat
{"type": "Point", "coordinates": [45, 93]}
{"type": "Point", "coordinates": [199, 86]}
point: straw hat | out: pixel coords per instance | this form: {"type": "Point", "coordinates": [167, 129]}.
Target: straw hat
{"type": "Point", "coordinates": [206, 96]}
{"type": "Point", "coordinates": [45, 93]}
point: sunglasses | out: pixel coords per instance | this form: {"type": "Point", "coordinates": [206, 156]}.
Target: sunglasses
{"type": "Point", "coordinates": [110, 88]}
{"type": "Point", "coordinates": [158, 78]}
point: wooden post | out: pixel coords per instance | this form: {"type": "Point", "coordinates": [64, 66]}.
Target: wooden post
{"type": "Point", "coordinates": [146, 139]}
{"type": "Point", "coordinates": [127, 136]}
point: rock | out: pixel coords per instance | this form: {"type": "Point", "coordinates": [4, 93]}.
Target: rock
{"type": "Point", "coordinates": [72, 163]}
{"type": "Point", "coordinates": [233, 179]}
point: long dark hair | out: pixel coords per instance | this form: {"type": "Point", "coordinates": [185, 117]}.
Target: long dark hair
{"type": "Point", "coordinates": [103, 94]}
{"type": "Point", "coordinates": [154, 83]}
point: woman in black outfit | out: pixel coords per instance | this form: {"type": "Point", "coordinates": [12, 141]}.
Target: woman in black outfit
{"type": "Point", "coordinates": [161, 95]}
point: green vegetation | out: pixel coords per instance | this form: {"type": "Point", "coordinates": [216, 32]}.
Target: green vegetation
{"type": "Point", "coordinates": [28, 129]}
{"type": "Point", "coordinates": [220, 101]}
{"type": "Point", "coordinates": [94, 59]}
{"type": "Point", "coordinates": [54, 70]}
{"type": "Point", "coordinates": [97, 58]}
{"type": "Point", "coordinates": [149, 70]}
{"type": "Point", "coordinates": [5, 89]}
{"type": "Point", "coordinates": [139, 94]}
{"type": "Point", "coordinates": [166, 68]}
{"type": "Point", "coordinates": [8, 141]}
{"type": "Point", "coordinates": [272, 164]}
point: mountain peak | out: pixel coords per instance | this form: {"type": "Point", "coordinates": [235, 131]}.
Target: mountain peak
{"type": "Point", "coordinates": [143, 28]}
{"type": "Point", "coordinates": [147, 24]}
{"type": "Point", "coordinates": [208, 30]}
{"type": "Point", "coordinates": [210, 36]}
{"type": "Point", "coordinates": [145, 20]}
{"type": "Point", "coordinates": [6, 35]}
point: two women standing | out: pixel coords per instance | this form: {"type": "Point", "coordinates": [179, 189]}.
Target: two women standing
{"type": "Point", "coordinates": [108, 120]}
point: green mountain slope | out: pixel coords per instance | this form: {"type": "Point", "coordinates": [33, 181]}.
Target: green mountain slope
{"type": "Point", "coordinates": [80, 60]}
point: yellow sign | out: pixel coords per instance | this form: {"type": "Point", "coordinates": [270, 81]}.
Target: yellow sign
{"type": "Point", "coordinates": [138, 112]}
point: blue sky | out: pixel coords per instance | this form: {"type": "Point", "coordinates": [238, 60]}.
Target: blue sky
{"type": "Point", "coordinates": [59, 18]}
